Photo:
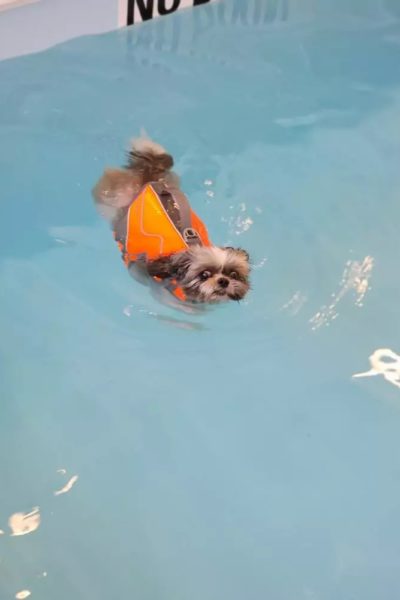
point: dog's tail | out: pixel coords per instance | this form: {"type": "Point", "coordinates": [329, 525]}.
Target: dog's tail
{"type": "Point", "coordinates": [149, 160]}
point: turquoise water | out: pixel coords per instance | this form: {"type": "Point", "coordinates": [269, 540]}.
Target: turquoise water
{"type": "Point", "coordinates": [229, 455]}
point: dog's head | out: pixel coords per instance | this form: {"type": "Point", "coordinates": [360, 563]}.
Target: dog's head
{"type": "Point", "coordinates": [212, 274]}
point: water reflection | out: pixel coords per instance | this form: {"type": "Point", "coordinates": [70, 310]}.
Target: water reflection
{"type": "Point", "coordinates": [22, 523]}
{"type": "Point", "coordinates": [167, 320]}
{"type": "Point", "coordinates": [23, 594]}
{"type": "Point", "coordinates": [295, 303]}
{"type": "Point", "coordinates": [260, 264]}
{"type": "Point", "coordinates": [384, 362]}
{"type": "Point", "coordinates": [355, 278]}
{"type": "Point", "coordinates": [68, 486]}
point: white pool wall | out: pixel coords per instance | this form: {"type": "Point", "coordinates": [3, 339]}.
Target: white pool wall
{"type": "Point", "coordinates": [28, 26]}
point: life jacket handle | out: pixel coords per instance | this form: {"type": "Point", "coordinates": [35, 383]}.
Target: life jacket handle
{"type": "Point", "coordinates": [177, 200]}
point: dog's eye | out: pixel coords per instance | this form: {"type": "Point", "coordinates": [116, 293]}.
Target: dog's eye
{"type": "Point", "coordinates": [205, 275]}
{"type": "Point", "coordinates": [233, 275]}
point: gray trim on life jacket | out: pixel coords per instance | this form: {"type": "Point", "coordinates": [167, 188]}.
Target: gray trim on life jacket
{"type": "Point", "coordinates": [178, 209]}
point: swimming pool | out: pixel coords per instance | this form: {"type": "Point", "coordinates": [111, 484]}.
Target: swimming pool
{"type": "Point", "coordinates": [231, 455]}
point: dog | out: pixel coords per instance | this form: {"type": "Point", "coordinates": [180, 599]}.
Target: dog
{"type": "Point", "coordinates": [201, 272]}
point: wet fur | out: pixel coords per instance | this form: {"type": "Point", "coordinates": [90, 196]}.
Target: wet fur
{"type": "Point", "coordinates": [187, 268]}
{"type": "Point", "coordinates": [227, 269]}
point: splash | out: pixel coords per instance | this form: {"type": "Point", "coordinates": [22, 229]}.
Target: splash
{"type": "Point", "coordinates": [384, 362]}
{"type": "Point", "coordinates": [240, 222]}
{"type": "Point", "coordinates": [356, 276]}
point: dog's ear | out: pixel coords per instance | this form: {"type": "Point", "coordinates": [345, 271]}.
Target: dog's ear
{"type": "Point", "coordinates": [244, 253]}
{"type": "Point", "coordinates": [239, 251]}
{"type": "Point", "coordinates": [169, 266]}
{"type": "Point", "coordinates": [181, 263]}
{"type": "Point", "coordinates": [161, 267]}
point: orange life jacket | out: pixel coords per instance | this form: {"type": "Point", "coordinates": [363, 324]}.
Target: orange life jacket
{"type": "Point", "coordinates": [159, 222]}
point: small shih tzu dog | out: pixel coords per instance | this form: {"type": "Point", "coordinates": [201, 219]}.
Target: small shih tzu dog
{"type": "Point", "coordinates": [163, 242]}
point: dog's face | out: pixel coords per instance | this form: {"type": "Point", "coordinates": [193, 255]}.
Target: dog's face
{"type": "Point", "coordinates": [213, 274]}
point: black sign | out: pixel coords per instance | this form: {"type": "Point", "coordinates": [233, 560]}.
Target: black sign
{"type": "Point", "coordinates": [147, 9]}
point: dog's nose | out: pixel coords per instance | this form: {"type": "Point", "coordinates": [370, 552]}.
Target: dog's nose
{"type": "Point", "coordinates": [223, 282]}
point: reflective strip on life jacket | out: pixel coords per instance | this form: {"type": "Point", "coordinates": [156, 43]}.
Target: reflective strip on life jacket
{"type": "Point", "coordinates": [159, 222]}
{"type": "Point", "coordinates": [153, 231]}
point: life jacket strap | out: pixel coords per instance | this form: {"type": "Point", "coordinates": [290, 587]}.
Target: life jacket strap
{"type": "Point", "coordinates": [175, 290]}
{"type": "Point", "coordinates": [178, 209]}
